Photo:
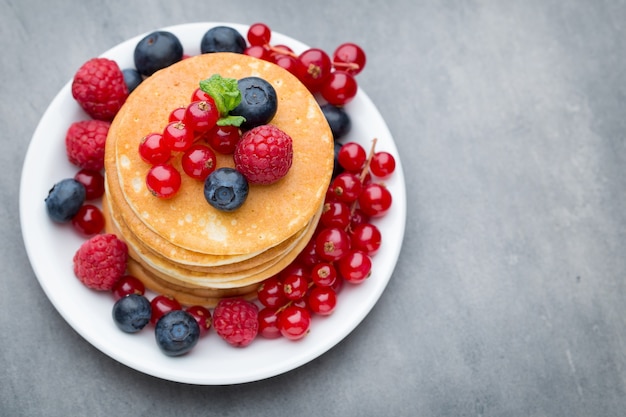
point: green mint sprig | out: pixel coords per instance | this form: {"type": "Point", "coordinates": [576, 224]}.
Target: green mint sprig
{"type": "Point", "coordinates": [226, 95]}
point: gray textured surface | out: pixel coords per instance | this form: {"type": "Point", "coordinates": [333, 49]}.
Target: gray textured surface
{"type": "Point", "coordinates": [509, 298]}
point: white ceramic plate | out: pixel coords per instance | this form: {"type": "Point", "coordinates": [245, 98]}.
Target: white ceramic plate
{"type": "Point", "coordinates": [51, 247]}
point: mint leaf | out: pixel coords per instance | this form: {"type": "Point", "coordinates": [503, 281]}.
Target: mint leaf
{"type": "Point", "coordinates": [224, 92]}
{"type": "Point", "coordinates": [231, 121]}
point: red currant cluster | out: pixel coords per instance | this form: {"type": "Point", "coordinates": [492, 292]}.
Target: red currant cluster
{"type": "Point", "coordinates": [340, 251]}
{"type": "Point", "coordinates": [186, 127]}
{"type": "Point", "coordinates": [333, 78]}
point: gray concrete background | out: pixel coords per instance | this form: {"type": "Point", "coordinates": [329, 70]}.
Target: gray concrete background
{"type": "Point", "coordinates": [509, 298]}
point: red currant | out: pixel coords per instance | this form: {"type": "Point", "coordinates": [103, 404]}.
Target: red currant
{"type": "Point", "coordinates": [375, 200]}
{"type": "Point", "coordinates": [295, 286]}
{"type": "Point", "coordinates": [309, 257]}
{"type": "Point", "coordinates": [340, 88]}
{"type": "Point", "coordinates": [366, 237]}
{"type": "Point", "coordinates": [358, 217]}
{"type": "Point", "coordinates": [324, 274]}
{"type": "Point", "coordinates": [223, 139]}
{"type": "Point", "coordinates": [277, 51]}
{"type": "Point", "coordinates": [199, 161]}
{"type": "Point", "coordinates": [315, 68]}
{"type": "Point", "coordinates": [294, 268]}
{"type": "Point", "coordinates": [162, 304]}
{"type": "Point", "coordinates": [201, 116]}
{"type": "Point", "coordinates": [163, 180]}
{"type": "Point", "coordinates": [335, 214]}
{"type": "Point", "coordinates": [322, 300]}
{"type": "Point", "coordinates": [294, 322]}
{"type": "Point", "coordinates": [268, 323]}
{"type": "Point", "coordinates": [93, 181]}
{"type": "Point", "coordinates": [349, 57]}
{"type": "Point", "coordinates": [271, 293]}
{"type": "Point", "coordinates": [258, 51]}
{"type": "Point", "coordinates": [289, 63]}
{"type": "Point", "coordinates": [177, 136]}
{"type": "Point", "coordinates": [346, 187]}
{"type": "Point", "coordinates": [259, 34]}
{"type": "Point", "coordinates": [177, 115]}
{"type": "Point", "coordinates": [383, 164]}
{"type": "Point", "coordinates": [126, 285]}
{"type": "Point", "coordinates": [332, 243]}
{"type": "Point", "coordinates": [355, 267]}
{"type": "Point", "coordinates": [199, 95]}
{"type": "Point", "coordinates": [154, 150]}
{"type": "Point", "coordinates": [202, 316]}
{"type": "Point", "coordinates": [352, 157]}
{"type": "Point", "coordinates": [88, 221]}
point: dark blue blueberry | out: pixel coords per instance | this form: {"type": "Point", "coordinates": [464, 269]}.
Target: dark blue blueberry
{"type": "Point", "coordinates": [222, 39]}
{"type": "Point", "coordinates": [132, 78]}
{"type": "Point", "coordinates": [338, 120]}
{"type": "Point", "coordinates": [258, 102]}
{"type": "Point", "coordinates": [131, 313]}
{"type": "Point", "coordinates": [226, 189]}
{"type": "Point", "coordinates": [337, 168]}
{"type": "Point", "coordinates": [176, 332]}
{"type": "Point", "coordinates": [156, 51]}
{"type": "Point", "coordinates": [65, 199]}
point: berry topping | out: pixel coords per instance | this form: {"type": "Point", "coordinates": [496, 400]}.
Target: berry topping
{"type": "Point", "coordinates": [101, 261]}
{"type": "Point", "coordinates": [161, 305]}
{"type": "Point", "coordinates": [156, 51]}
{"type": "Point", "coordinates": [338, 120]}
{"type": "Point", "coordinates": [88, 221]}
{"type": "Point", "coordinates": [264, 154]}
{"type": "Point", "coordinates": [132, 78]}
{"type": "Point", "coordinates": [99, 88]}
{"type": "Point", "coordinates": [163, 181]}
{"type": "Point", "coordinates": [294, 322]}
{"type": "Point", "coordinates": [202, 316]}
{"type": "Point", "coordinates": [222, 39]}
{"type": "Point", "coordinates": [199, 161]}
{"type": "Point", "coordinates": [126, 285]}
{"type": "Point", "coordinates": [226, 189]}
{"type": "Point", "coordinates": [236, 321]}
{"type": "Point", "coordinates": [131, 313]}
{"type": "Point", "coordinates": [258, 102]}
{"type": "Point", "coordinates": [176, 333]}
{"type": "Point", "coordinates": [64, 200]}
{"type": "Point", "coordinates": [93, 181]}
{"type": "Point", "coordinates": [84, 143]}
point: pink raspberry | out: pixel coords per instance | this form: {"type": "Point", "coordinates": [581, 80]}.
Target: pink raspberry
{"type": "Point", "coordinates": [99, 88]}
{"type": "Point", "coordinates": [236, 321]}
{"type": "Point", "coordinates": [101, 261]}
{"type": "Point", "coordinates": [84, 143]}
{"type": "Point", "coordinates": [264, 154]}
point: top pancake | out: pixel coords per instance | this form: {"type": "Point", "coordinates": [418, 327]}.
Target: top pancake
{"type": "Point", "coordinates": [271, 213]}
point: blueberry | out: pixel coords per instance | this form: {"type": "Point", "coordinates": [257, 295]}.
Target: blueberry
{"type": "Point", "coordinates": [176, 332]}
{"type": "Point", "coordinates": [258, 102]}
{"type": "Point", "coordinates": [226, 189]}
{"type": "Point", "coordinates": [337, 168]}
{"type": "Point", "coordinates": [338, 120]}
{"type": "Point", "coordinates": [222, 39]}
{"type": "Point", "coordinates": [131, 313]}
{"type": "Point", "coordinates": [156, 51]}
{"type": "Point", "coordinates": [132, 78]}
{"type": "Point", "coordinates": [65, 199]}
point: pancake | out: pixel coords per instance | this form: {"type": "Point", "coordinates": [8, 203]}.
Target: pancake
{"type": "Point", "coordinates": [271, 214]}
{"type": "Point", "coordinates": [185, 248]}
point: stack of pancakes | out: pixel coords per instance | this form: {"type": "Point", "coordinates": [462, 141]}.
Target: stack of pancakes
{"type": "Point", "coordinates": [182, 246]}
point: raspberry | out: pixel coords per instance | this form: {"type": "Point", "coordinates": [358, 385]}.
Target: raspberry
{"type": "Point", "coordinates": [84, 143]}
{"type": "Point", "coordinates": [101, 261]}
{"type": "Point", "coordinates": [236, 321]}
{"type": "Point", "coordinates": [99, 88]}
{"type": "Point", "coordinates": [264, 154]}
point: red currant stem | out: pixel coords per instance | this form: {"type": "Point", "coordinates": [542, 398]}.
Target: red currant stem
{"type": "Point", "coordinates": [363, 175]}
{"type": "Point", "coordinates": [280, 51]}
{"type": "Point", "coordinates": [347, 65]}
